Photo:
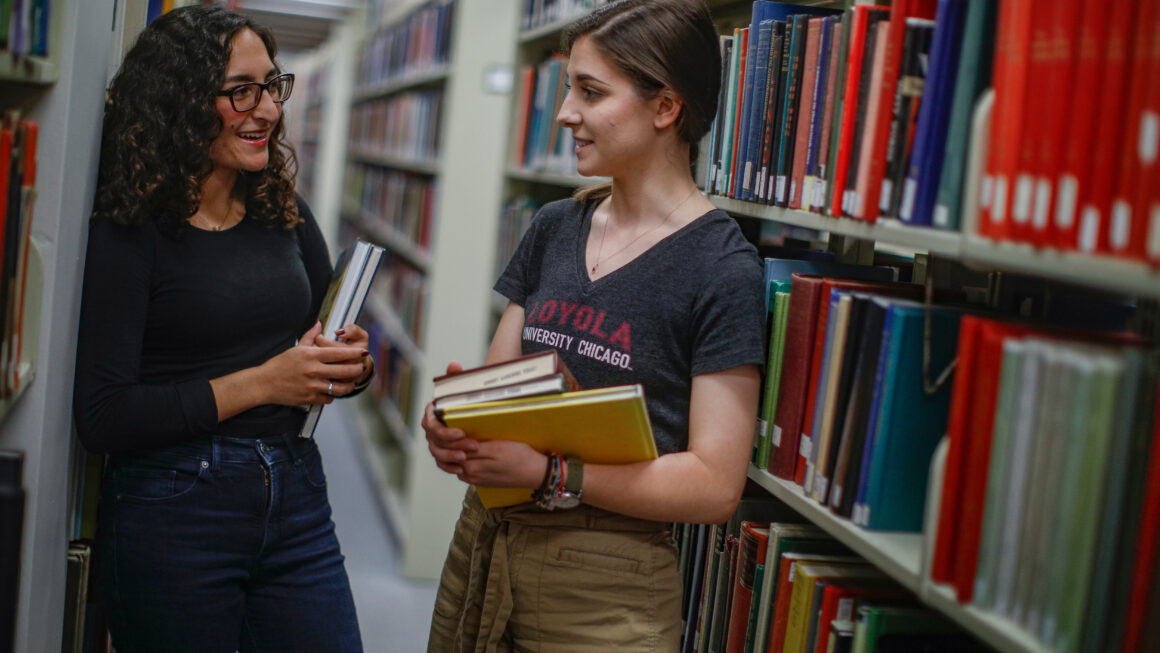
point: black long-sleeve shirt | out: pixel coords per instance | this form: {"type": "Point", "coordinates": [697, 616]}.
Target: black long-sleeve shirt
{"type": "Point", "coordinates": [164, 310]}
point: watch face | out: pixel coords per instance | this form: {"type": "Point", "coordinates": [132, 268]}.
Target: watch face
{"type": "Point", "coordinates": [565, 500]}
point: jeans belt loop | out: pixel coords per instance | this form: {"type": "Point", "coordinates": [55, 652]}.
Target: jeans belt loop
{"type": "Point", "coordinates": [215, 454]}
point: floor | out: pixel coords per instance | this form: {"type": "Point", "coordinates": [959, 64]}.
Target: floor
{"type": "Point", "coordinates": [394, 612]}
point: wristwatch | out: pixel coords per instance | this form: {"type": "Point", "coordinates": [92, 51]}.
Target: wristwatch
{"type": "Point", "coordinates": [569, 496]}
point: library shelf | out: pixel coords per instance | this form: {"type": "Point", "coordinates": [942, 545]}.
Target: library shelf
{"type": "Point", "coordinates": [393, 160]}
{"type": "Point", "coordinates": [553, 178]}
{"type": "Point", "coordinates": [987, 626]}
{"type": "Point", "coordinates": [897, 554]}
{"type": "Point", "coordinates": [408, 80]}
{"type": "Point", "coordinates": [935, 241]}
{"type": "Point", "coordinates": [553, 28]}
{"type": "Point", "coordinates": [396, 241]}
{"type": "Point", "coordinates": [27, 69]}
{"type": "Point", "coordinates": [383, 460]}
{"type": "Point", "coordinates": [398, 334]}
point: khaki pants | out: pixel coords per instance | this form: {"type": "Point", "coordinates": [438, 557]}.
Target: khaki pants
{"type": "Point", "coordinates": [523, 580]}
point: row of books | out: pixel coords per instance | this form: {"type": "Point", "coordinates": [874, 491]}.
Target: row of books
{"type": "Point", "coordinates": [1072, 160]}
{"type": "Point", "coordinates": [395, 378]}
{"type": "Point", "coordinates": [405, 126]}
{"type": "Point", "coordinates": [766, 583]}
{"type": "Point", "coordinates": [415, 44]}
{"type": "Point", "coordinates": [1047, 514]}
{"type": "Point", "coordinates": [400, 202]}
{"type": "Point", "coordinates": [18, 138]}
{"type": "Point", "coordinates": [514, 217]}
{"type": "Point", "coordinates": [537, 13]}
{"type": "Point", "coordinates": [24, 27]}
{"type": "Point", "coordinates": [541, 144]}
{"type": "Point", "coordinates": [403, 289]}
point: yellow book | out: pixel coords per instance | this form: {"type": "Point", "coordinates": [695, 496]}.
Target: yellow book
{"type": "Point", "coordinates": [600, 426]}
{"type": "Point", "coordinates": [806, 576]}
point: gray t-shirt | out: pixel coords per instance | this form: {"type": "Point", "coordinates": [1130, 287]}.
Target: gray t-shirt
{"type": "Point", "coordinates": [692, 304]}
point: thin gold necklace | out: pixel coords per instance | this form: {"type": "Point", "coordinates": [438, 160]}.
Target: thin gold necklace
{"type": "Point", "coordinates": [604, 230]}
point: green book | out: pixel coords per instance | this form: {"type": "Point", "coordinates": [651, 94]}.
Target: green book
{"type": "Point", "coordinates": [726, 176]}
{"type": "Point", "coordinates": [780, 290]}
{"type": "Point", "coordinates": [1098, 424]}
{"type": "Point", "coordinates": [997, 475]}
{"type": "Point", "coordinates": [900, 628]}
{"type": "Point", "coordinates": [974, 76]}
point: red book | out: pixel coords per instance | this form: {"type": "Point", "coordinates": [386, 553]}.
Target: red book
{"type": "Point", "coordinates": [523, 114]}
{"type": "Point", "coordinates": [988, 224]}
{"type": "Point", "coordinates": [1036, 109]}
{"type": "Point", "coordinates": [1147, 546]}
{"type": "Point", "coordinates": [838, 603]}
{"type": "Point", "coordinates": [866, 149]}
{"type": "Point", "coordinates": [849, 105]}
{"type": "Point", "coordinates": [1127, 226]}
{"type": "Point", "coordinates": [801, 322]}
{"type": "Point", "coordinates": [805, 109]}
{"type": "Point", "coordinates": [1009, 121]}
{"type": "Point", "coordinates": [1152, 190]}
{"type": "Point", "coordinates": [941, 567]}
{"type": "Point", "coordinates": [30, 136]}
{"type": "Point", "coordinates": [877, 135]}
{"type": "Point", "coordinates": [742, 38]}
{"type": "Point", "coordinates": [1056, 118]}
{"type": "Point", "coordinates": [750, 553]}
{"type": "Point", "coordinates": [817, 203]}
{"type": "Point", "coordinates": [1095, 199]}
{"type": "Point", "coordinates": [1083, 106]}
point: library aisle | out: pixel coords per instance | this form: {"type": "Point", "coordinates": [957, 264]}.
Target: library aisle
{"type": "Point", "coordinates": [394, 612]}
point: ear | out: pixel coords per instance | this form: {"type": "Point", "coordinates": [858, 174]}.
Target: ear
{"type": "Point", "coordinates": [668, 108]}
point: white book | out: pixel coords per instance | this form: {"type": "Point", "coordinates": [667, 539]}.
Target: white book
{"type": "Point", "coordinates": [353, 273]}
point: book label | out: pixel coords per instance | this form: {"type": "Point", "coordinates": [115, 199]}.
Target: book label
{"type": "Point", "coordinates": [986, 194]}
{"type": "Point", "coordinates": [941, 216]}
{"type": "Point", "coordinates": [805, 446]}
{"type": "Point", "coordinates": [1154, 236]}
{"type": "Point", "coordinates": [793, 188]}
{"type": "Point", "coordinates": [845, 610]}
{"type": "Point", "coordinates": [781, 188]}
{"type": "Point", "coordinates": [776, 435]}
{"type": "Point", "coordinates": [999, 205]}
{"type": "Point", "coordinates": [836, 495]}
{"type": "Point", "coordinates": [748, 173]}
{"type": "Point", "coordinates": [1149, 137]}
{"type": "Point", "coordinates": [1023, 195]}
{"type": "Point", "coordinates": [884, 194]}
{"type": "Point", "coordinates": [759, 434]}
{"type": "Point", "coordinates": [820, 484]}
{"type": "Point", "coordinates": [792, 570]}
{"type": "Point", "coordinates": [1121, 224]}
{"type": "Point", "coordinates": [1089, 227]}
{"type": "Point", "coordinates": [1065, 203]}
{"type": "Point", "coordinates": [909, 189]}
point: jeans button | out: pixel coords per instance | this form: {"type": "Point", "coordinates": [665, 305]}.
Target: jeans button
{"type": "Point", "coordinates": [204, 464]}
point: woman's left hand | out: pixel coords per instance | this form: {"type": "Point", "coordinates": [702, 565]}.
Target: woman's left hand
{"type": "Point", "coordinates": [351, 335]}
{"type": "Point", "coordinates": [504, 463]}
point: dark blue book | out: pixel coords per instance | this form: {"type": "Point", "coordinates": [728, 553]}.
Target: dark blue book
{"type": "Point", "coordinates": [910, 421]}
{"type": "Point", "coordinates": [926, 160]}
{"type": "Point", "coordinates": [745, 101]}
{"type": "Point", "coordinates": [752, 131]}
{"type": "Point", "coordinates": [789, 109]}
{"type": "Point", "coordinates": [778, 74]}
{"type": "Point", "coordinates": [817, 112]}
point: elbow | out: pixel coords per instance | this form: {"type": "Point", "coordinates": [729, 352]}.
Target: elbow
{"type": "Point", "coordinates": [721, 507]}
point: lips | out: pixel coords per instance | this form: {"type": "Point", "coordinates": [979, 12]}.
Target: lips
{"type": "Point", "coordinates": [253, 138]}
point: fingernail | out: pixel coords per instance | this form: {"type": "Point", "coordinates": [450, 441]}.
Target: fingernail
{"type": "Point", "coordinates": [340, 332]}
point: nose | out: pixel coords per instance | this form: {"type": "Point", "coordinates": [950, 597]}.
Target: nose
{"type": "Point", "coordinates": [267, 108]}
{"type": "Point", "coordinates": [568, 116]}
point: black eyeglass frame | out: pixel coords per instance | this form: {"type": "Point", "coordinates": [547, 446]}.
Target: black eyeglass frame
{"type": "Point", "coordinates": [263, 87]}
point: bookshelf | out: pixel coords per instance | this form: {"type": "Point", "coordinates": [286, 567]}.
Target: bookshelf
{"type": "Point", "coordinates": [423, 152]}
{"type": "Point", "coordinates": [64, 93]}
{"type": "Point", "coordinates": [903, 556]}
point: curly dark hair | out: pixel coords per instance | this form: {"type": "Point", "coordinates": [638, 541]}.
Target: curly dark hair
{"type": "Point", "coordinates": [160, 122]}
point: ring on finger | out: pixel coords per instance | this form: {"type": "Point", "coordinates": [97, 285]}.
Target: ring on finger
{"type": "Point", "coordinates": [330, 389]}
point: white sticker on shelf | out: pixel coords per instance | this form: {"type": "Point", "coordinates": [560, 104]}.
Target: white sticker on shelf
{"type": "Point", "coordinates": [748, 172]}
{"type": "Point", "coordinates": [836, 495]}
{"type": "Point", "coordinates": [776, 435]}
{"type": "Point", "coordinates": [805, 446]}
{"type": "Point", "coordinates": [1042, 203]}
{"type": "Point", "coordinates": [1149, 137]}
{"type": "Point", "coordinates": [1089, 229]}
{"type": "Point", "coordinates": [1154, 233]}
{"type": "Point", "coordinates": [999, 205]}
{"type": "Point", "coordinates": [909, 189]}
{"type": "Point", "coordinates": [886, 192]}
{"type": "Point", "coordinates": [941, 216]}
{"type": "Point", "coordinates": [1065, 203]}
{"type": "Point", "coordinates": [781, 188]}
{"type": "Point", "coordinates": [1121, 229]}
{"type": "Point", "coordinates": [759, 433]}
{"type": "Point", "coordinates": [792, 569]}
{"type": "Point", "coordinates": [792, 189]}
{"type": "Point", "coordinates": [820, 483]}
{"type": "Point", "coordinates": [986, 190]}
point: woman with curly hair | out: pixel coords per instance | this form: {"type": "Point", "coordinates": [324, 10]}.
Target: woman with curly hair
{"type": "Point", "coordinates": [203, 269]}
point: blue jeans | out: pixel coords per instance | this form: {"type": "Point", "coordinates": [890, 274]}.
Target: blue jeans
{"type": "Point", "coordinates": [223, 545]}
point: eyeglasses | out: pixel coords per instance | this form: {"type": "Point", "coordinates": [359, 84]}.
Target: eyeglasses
{"type": "Point", "coordinates": [244, 97]}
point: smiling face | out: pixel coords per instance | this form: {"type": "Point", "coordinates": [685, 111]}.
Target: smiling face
{"type": "Point", "coordinates": [614, 128]}
{"type": "Point", "coordinates": [243, 143]}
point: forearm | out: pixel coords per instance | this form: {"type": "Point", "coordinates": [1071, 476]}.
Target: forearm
{"type": "Point", "coordinates": [676, 487]}
{"type": "Point", "coordinates": [240, 391]}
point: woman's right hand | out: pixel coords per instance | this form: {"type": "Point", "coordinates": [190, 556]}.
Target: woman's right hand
{"type": "Point", "coordinates": [303, 374]}
{"type": "Point", "coordinates": [449, 447]}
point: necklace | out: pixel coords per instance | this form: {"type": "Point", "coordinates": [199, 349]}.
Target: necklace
{"type": "Point", "coordinates": [220, 225]}
{"type": "Point", "coordinates": [604, 231]}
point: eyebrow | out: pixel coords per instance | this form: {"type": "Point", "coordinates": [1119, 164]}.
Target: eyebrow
{"type": "Point", "coordinates": [585, 77]}
{"type": "Point", "coordinates": [247, 78]}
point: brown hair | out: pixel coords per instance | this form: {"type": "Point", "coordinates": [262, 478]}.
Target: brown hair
{"type": "Point", "coordinates": [659, 44]}
{"type": "Point", "coordinates": [160, 123]}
